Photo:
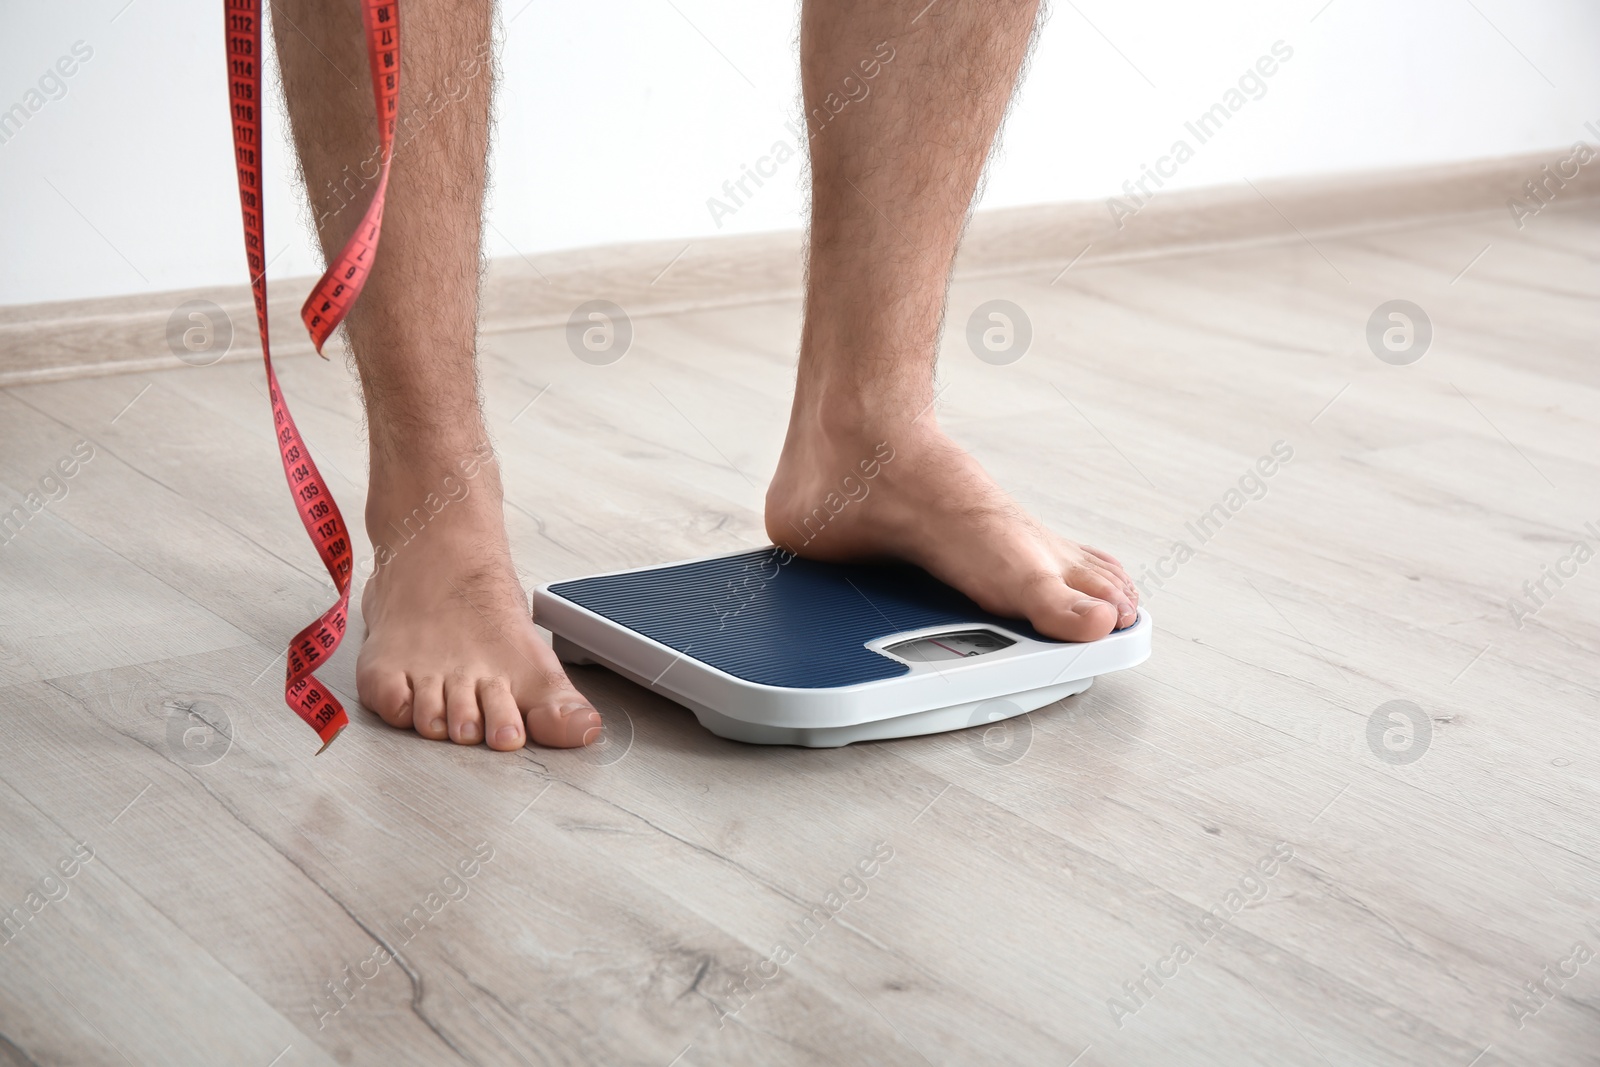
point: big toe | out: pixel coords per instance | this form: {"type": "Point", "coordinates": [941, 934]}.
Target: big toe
{"type": "Point", "coordinates": [1101, 583]}
{"type": "Point", "coordinates": [564, 721]}
{"type": "Point", "coordinates": [1058, 610]}
{"type": "Point", "coordinates": [385, 691]}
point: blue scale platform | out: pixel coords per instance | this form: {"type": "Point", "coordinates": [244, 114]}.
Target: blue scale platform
{"type": "Point", "coordinates": [774, 619]}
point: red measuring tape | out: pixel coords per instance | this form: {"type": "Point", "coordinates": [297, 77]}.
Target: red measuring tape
{"type": "Point", "coordinates": [324, 309]}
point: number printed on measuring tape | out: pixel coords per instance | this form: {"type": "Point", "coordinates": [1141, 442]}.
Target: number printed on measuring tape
{"type": "Point", "coordinates": [330, 300]}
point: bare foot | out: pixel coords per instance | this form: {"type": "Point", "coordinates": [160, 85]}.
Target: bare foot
{"type": "Point", "coordinates": [908, 492]}
{"type": "Point", "coordinates": [451, 649]}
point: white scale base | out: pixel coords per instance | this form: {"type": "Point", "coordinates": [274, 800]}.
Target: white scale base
{"type": "Point", "coordinates": [933, 721]}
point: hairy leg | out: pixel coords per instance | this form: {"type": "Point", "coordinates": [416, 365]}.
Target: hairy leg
{"type": "Point", "coordinates": [450, 650]}
{"type": "Point", "coordinates": [903, 108]}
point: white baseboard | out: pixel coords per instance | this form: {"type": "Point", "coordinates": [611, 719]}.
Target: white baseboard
{"type": "Point", "coordinates": [80, 338]}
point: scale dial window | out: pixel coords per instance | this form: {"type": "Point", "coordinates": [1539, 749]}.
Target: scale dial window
{"type": "Point", "coordinates": [939, 648]}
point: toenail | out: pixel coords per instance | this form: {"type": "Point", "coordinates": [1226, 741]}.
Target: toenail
{"type": "Point", "coordinates": [437, 726]}
{"type": "Point", "coordinates": [1085, 606]}
{"type": "Point", "coordinates": [506, 735]}
{"type": "Point", "coordinates": [568, 709]}
{"type": "Point", "coordinates": [469, 731]}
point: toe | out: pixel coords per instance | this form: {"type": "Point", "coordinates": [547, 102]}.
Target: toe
{"type": "Point", "coordinates": [427, 710]}
{"type": "Point", "coordinates": [502, 721]}
{"type": "Point", "coordinates": [386, 692]}
{"type": "Point", "coordinates": [1128, 603]}
{"type": "Point", "coordinates": [461, 709]}
{"type": "Point", "coordinates": [565, 720]}
{"type": "Point", "coordinates": [1102, 585]}
{"type": "Point", "coordinates": [1119, 574]}
{"type": "Point", "coordinates": [1058, 610]}
{"type": "Point", "coordinates": [1107, 558]}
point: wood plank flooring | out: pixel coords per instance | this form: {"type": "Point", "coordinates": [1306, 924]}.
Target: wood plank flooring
{"type": "Point", "coordinates": [1411, 898]}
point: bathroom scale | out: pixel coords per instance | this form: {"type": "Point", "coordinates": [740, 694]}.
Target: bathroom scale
{"type": "Point", "coordinates": [765, 647]}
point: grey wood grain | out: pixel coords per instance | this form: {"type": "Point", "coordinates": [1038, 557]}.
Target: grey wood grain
{"type": "Point", "coordinates": [1035, 876]}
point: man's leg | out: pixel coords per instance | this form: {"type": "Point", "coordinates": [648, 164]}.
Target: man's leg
{"type": "Point", "coordinates": [450, 648]}
{"type": "Point", "coordinates": [893, 177]}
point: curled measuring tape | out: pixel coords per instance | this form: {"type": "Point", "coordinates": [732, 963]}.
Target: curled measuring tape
{"type": "Point", "coordinates": [324, 309]}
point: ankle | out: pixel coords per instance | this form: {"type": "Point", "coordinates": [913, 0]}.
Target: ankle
{"type": "Point", "coordinates": [851, 414]}
{"type": "Point", "coordinates": [846, 388]}
{"type": "Point", "coordinates": [430, 478]}
{"type": "Point", "coordinates": [410, 460]}
{"type": "Point", "coordinates": [864, 376]}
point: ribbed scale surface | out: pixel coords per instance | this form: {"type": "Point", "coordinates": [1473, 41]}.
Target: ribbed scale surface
{"type": "Point", "coordinates": [801, 624]}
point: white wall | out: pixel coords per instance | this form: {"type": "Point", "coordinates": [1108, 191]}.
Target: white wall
{"type": "Point", "coordinates": [619, 120]}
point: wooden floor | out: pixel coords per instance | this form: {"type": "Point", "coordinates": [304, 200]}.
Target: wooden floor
{"type": "Point", "coordinates": [1380, 892]}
